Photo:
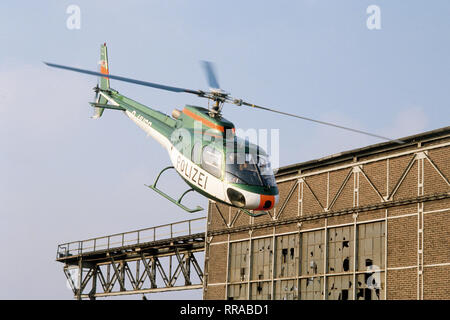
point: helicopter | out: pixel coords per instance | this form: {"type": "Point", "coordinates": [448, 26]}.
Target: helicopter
{"type": "Point", "coordinates": [202, 145]}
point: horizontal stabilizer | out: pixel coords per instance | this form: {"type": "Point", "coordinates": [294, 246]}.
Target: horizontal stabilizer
{"type": "Point", "coordinates": [106, 106]}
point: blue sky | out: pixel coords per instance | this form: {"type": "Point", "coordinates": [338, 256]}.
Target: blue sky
{"type": "Point", "coordinates": [66, 177]}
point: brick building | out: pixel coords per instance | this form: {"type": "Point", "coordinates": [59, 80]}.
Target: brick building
{"type": "Point", "coordinates": [370, 223]}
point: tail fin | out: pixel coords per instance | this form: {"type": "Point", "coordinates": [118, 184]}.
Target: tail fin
{"type": "Point", "coordinates": [103, 82]}
{"type": "Point", "coordinates": [104, 67]}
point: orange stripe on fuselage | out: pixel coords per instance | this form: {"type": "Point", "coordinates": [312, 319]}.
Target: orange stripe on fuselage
{"type": "Point", "coordinates": [103, 70]}
{"type": "Point", "coordinates": [262, 202]}
{"type": "Point", "coordinates": [206, 122]}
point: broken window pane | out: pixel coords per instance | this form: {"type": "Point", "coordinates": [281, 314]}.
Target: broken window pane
{"type": "Point", "coordinates": [239, 255]}
{"type": "Point", "coordinates": [287, 256]}
{"type": "Point", "coordinates": [340, 249]}
{"type": "Point", "coordinates": [261, 290]}
{"type": "Point", "coordinates": [286, 290]}
{"type": "Point", "coordinates": [340, 287]}
{"type": "Point", "coordinates": [370, 285]}
{"type": "Point", "coordinates": [311, 288]}
{"type": "Point", "coordinates": [312, 253]}
{"type": "Point", "coordinates": [371, 237]}
{"type": "Point", "coordinates": [262, 255]}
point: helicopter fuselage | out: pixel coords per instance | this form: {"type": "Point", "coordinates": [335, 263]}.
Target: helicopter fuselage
{"type": "Point", "coordinates": [198, 146]}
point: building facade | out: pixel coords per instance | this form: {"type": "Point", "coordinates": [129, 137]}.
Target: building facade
{"type": "Point", "coordinates": [371, 223]}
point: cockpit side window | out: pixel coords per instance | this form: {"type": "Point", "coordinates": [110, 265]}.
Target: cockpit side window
{"type": "Point", "coordinates": [212, 161]}
{"type": "Point", "coordinates": [266, 170]}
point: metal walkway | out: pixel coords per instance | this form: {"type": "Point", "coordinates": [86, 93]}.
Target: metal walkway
{"type": "Point", "coordinates": [137, 262]}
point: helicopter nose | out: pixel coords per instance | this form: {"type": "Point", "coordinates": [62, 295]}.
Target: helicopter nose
{"type": "Point", "coordinates": [250, 200]}
{"type": "Point", "coordinates": [266, 202]}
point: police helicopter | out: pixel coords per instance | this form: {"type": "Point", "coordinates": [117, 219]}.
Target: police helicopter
{"type": "Point", "coordinates": [202, 145]}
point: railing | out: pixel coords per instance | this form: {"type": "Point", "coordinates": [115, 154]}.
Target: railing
{"type": "Point", "coordinates": [166, 231]}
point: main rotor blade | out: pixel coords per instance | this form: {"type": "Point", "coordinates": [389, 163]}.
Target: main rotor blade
{"type": "Point", "coordinates": [322, 122]}
{"type": "Point", "coordinates": [139, 82]}
{"type": "Point", "coordinates": [210, 75]}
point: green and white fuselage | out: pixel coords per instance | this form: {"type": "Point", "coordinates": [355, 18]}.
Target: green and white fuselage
{"type": "Point", "coordinates": [191, 138]}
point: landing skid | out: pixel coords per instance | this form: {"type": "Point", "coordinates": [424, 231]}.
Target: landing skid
{"type": "Point", "coordinates": [253, 214]}
{"type": "Point", "coordinates": [165, 195]}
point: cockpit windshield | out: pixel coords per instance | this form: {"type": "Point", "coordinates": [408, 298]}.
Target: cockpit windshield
{"type": "Point", "coordinates": [250, 169]}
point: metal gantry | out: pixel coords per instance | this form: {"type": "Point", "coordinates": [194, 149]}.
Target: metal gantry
{"type": "Point", "coordinates": [157, 259]}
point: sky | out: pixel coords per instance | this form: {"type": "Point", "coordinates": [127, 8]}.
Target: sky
{"type": "Point", "coordinates": [66, 177]}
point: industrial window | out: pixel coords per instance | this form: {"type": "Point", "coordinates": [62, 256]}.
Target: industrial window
{"type": "Point", "coordinates": [262, 255]}
{"type": "Point", "coordinates": [294, 267]}
{"type": "Point", "coordinates": [237, 291]}
{"type": "Point", "coordinates": [312, 253]}
{"type": "Point", "coordinates": [212, 161]}
{"type": "Point", "coordinates": [239, 255]}
{"type": "Point", "coordinates": [340, 249]}
{"type": "Point", "coordinates": [371, 259]}
{"type": "Point", "coordinates": [261, 290]}
{"type": "Point", "coordinates": [286, 290]}
{"type": "Point", "coordinates": [371, 250]}
{"type": "Point", "coordinates": [370, 286]}
{"type": "Point", "coordinates": [340, 287]}
{"type": "Point", "coordinates": [311, 288]}
{"type": "Point", "coordinates": [287, 256]}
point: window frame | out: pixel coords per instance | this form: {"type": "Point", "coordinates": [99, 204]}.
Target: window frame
{"type": "Point", "coordinates": [217, 171]}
